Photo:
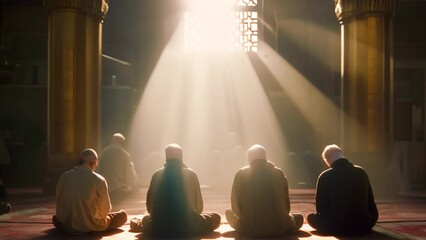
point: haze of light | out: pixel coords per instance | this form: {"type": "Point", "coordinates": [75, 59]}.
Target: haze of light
{"type": "Point", "coordinates": [210, 103]}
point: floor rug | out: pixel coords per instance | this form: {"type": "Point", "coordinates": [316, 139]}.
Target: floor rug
{"type": "Point", "coordinates": [31, 215]}
{"type": "Point", "coordinates": [406, 230]}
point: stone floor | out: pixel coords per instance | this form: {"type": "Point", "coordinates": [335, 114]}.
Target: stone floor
{"type": "Point", "coordinates": [400, 218]}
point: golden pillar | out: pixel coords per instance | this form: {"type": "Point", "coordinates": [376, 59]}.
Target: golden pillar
{"type": "Point", "coordinates": [74, 80]}
{"type": "Point", "coordinates": [366, 65]}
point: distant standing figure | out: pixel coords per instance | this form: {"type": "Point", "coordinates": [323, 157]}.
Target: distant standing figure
{"type": "Point", "coordinates": [117, 168]}
{"type": "Point", "coordinates": [260, 199]}
{"type": "Point", "coordinates": [344, 198]}
{"type": "Point", "coordinates": [82, 200]}
{"type": "Point", "coordinates": [174, 202]}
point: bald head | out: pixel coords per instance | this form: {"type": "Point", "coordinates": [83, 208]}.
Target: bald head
{"type": "Point", "coordinates": [89, 157]}
{"type": "Point", "coordinates": [332, 153]}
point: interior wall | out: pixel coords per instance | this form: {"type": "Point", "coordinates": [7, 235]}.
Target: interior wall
{"type": "Point", "coordinates": [137, 31]}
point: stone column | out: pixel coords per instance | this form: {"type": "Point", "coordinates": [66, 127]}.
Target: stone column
{"type": "Point", "coordinates": [367, 66]}
{"type": "Point", "coordinates": [74, 81]}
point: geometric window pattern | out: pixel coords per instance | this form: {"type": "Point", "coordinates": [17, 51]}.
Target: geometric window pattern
{"type": "Point", "coordinates": [247, 25]}
{"type": "Point", "coordinates": [246, 3]}
{"type": "Point", "coordinates": [235, 32]}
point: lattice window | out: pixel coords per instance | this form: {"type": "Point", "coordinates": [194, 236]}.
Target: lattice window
{"type": "Point", "coordinates": [246, 3]}
{"type": "Point", "coordinates": [234, 31]}
{"type": "Point", "coordinates": [247, 30]}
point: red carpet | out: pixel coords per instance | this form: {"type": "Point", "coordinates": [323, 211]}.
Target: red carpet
{"type": "Point", "coordinates": [408, 230]}
{"type": "Point", "coordinates": [31, 214]}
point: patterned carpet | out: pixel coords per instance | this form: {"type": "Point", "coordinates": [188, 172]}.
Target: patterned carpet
{"type": "Point", "coordinates": [32, 211]}
{"type": "Point", "coordinates": [406, 230]}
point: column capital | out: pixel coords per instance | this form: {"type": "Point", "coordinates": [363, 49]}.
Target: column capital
{"type": "Point", "coordinates": [346, 9]}
{"type": "Point", "coordinates": [97, 8]}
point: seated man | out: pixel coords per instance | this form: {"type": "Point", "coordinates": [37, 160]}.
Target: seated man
{"type": "Point", "coordinates": [174, 201]}
{"type": "Point", "coordinates": [82, 200]}
{"type": "Point", "coordinates": [117, 168]}
{"type": "Point", "coordinates": [344, 199]}
{"type": "Point", "coordinates": [260, 199]}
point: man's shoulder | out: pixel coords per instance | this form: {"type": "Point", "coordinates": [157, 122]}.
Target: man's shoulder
{"type": "Point", "coordinates": [99, 176]}
{"type": "Point", "coordinates": [268, 166]}
{"type": "Point", "coordinates": [241, 174]}
{"type": "Point", "coordinates": [78, 172]}
{"type": "Point", "coordinates": [116, 152]}
{"type": "Point", "coordinates": [71, 171]}
{"type": "Point", "coordinates": [243, 169]}
{"type": "Point", "coordinates": [327, 172]}
{"type": "Point", "coordinates": [107, 149]}
{"type": "Point", "coordinates": [189, 171]}
{"type": "Point", "coordinates": [158, 172]}
{"type": "Point", "coordinates": [91, 174]}
{"type": "Point", "coordinates": [359, 168]}
{"type": "Point", "coordinates": [67, 174]}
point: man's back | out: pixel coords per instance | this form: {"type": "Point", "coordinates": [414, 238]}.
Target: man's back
{"type": "Point", "coordinates": [174, 184]}
{"type": "Point", "coordinates": [344, 195]}
{"type": "Point", "coordinates": [117, 168]}
{"type": "Point", "coordinates": [170, 209]}
{"type": "Point", "coordinates": [174, 201]}
{"type": "Point", "coordinates": [82, 202]}
{"type": "Point", "coordinates": [260, 197]}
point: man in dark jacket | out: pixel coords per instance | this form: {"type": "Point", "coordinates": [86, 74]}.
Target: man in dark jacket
{"type": "Point", "coordinates": [344, 198]}
{"type": "Point", "coordinates": [260, 199]}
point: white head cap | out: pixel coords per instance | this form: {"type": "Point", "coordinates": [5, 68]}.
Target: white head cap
{"type": "Point", "coordinates": [174, 151]}
{"type": "Point", "coordinates": [332, 153]}
{"type": "Point", "coordinates": [256, 152]}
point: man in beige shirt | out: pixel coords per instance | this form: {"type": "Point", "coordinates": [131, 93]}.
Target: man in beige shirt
{"type": "Point", "coordinates": [82, 201]}
{"type": "Point", "coordinates": [260, 199]}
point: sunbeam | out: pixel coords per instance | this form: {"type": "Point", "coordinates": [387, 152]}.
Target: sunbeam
{"type": "Point", "coordinates": [213, 105]}
{"type": "Point", "coordinates": [322, 114]}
